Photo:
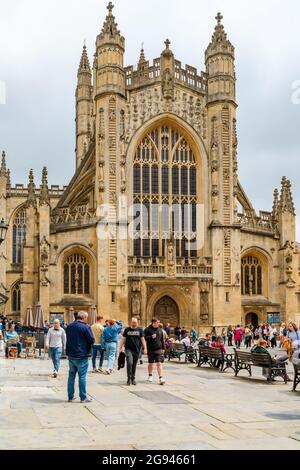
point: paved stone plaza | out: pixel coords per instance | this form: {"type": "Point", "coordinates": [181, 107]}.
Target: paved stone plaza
{"type": "Point", "coordinates": [196, 409]}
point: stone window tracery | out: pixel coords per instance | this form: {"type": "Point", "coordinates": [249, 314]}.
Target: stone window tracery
{"type": "Point", "coordinates": [18, 236]}
{"type": "Point", "coordinates": [252, 276]}
{"type": "Point", "coordinates": [76, 275]}
{"type": "Point", "coordinates": [16, 298]}
{"type": "Point", "coordinates": [165, 194]}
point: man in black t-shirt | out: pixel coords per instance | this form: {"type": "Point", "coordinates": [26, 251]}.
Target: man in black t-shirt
{"type": "Point", "coordinates": [134, 340]}
{"type": "Point", "coordinates": [156, 347]}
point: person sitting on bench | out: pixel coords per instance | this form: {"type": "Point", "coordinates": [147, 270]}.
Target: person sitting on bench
{"type": "Point", "coordinates": [13, 338]}
{"type": "Point", "coordinates": [261, 347]}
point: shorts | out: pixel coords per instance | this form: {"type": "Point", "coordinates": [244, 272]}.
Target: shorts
{"type": "Point", "coordinates": [156, 357]}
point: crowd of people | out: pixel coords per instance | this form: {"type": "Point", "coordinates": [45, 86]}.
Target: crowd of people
{"type": "Point", "coordinates": [116, 343]}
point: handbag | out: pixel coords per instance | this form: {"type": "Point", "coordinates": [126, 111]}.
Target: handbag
{"type": "Point", "coordinates": [121, 360]}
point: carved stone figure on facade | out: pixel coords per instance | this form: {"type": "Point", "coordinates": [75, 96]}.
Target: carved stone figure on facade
{"type": "Point", "coordinates": [136, 305]}
{"type": "Point", "coordinates": [168, 85]}
{"type": "Point", "coordinates": [123, 174]}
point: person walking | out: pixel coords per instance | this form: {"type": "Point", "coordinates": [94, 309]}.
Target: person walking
{"type": "Point", "coordinates": [156, 346]}
{"type": "Point", "coordinates": [283, 333]}
{"type": "Point", "coordinates": [229, 336]}
{"type": "Point", "coordinates": [55, 343]}
{"type": "Point", "coordinates": [248, 337]}
{"type": "Point", "coordinates": [238, 336]}
{"type": "Point", "coordinates": [177, 333]}
{"type": "Point", "coordinates": [79, 343]}
{"type": "Point", "coordinates": [213, 334]}
{"type": "Point", "coordinates": [97, 330]}
{"type": "Point", "coordinates": [194, 335]}
{"type": "Point", "coordinates": [134, 340]}
{"type": "Point", "coordinates": [223, 335]}
{"type": "Point", "coordinates": [293, 334]}
{"type": "Point", "coordinates": [273, 336]}
{"type": "Point", "coordinates": [168, 329]}
{"type": "Point", "coordinates": [110, 340]}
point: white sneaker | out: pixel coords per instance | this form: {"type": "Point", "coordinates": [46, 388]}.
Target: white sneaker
{"type": "Point", "coordinates": [162, 381]}
{"type": "Point", "coordinates": [150, 379]}
{"type": "Point", "coordinates": [101, 370]}
{"type": "Point", "coordinates": [108, 372]}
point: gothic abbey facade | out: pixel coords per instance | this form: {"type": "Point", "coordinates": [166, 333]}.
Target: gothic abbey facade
{"type": "Point", "coordinates": [155, 220]}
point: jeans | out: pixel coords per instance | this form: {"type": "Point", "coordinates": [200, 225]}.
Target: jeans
{"type": "Point", "coordinates": [279, 360]}
{"type": "Point", "coordinates": [19, 346]}
{"type": "Point", "coordinates": [132, 358]}
{"type": "Point", "coordinates": [111, 350]}
{"type": "Point", "coordinates": [79, 366]}
{"type": "Point", "coordinates": [95, 349]}
{"type": "Point", "coordinates": [55, 354]}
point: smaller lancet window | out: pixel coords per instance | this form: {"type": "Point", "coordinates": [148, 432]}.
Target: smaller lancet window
{"type": "Point", "coordinates": [18, 236]}
{"type": "Point", "coordinates": [16, 298]}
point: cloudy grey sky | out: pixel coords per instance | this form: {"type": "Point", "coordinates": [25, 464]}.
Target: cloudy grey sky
{"type": "Point", "coordinates": [40, 48]}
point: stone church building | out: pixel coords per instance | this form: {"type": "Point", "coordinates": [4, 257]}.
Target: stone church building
{"type": "Point", "coordinates": [155, 221]}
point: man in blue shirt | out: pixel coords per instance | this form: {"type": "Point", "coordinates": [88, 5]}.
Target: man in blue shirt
{"type": "Point", "coordinates": [79, 343]}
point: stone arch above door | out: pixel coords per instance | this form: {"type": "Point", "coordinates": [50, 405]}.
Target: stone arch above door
{"type": "Point", "coordinates": [166, 310]}
{"type": "Point", "coordinates": [177, 295]}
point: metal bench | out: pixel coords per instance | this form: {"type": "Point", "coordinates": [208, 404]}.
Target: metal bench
{"type": "Point", "coordinates": [296, 376]}
{"type": "Point", "coordinates": [215, 358]}
{"type": "Point", "coordinates": [177, 350]}
{"type": "Point", "coordinates": [245, 361]}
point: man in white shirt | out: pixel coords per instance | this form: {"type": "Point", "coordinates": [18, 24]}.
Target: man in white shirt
{"type": "Point", "coordinates": [56, 342]}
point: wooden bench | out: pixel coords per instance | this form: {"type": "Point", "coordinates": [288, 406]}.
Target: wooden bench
{"type": "Point", "coordinates": [214, 357]}
{"type": "Point", "coordinates": [177, 350]}
{"type": "Point", "coordinates": [246, 360]}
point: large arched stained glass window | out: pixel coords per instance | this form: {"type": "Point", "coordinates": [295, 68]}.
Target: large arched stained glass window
{"type": "Point", "coordinates": [18, 236]}
{"type": "Point", "coordinates": [252, 279]}
{"type": "Point", "coordinates": [165, 194]}
{"type": "Point", "coordinates": [76, 272]}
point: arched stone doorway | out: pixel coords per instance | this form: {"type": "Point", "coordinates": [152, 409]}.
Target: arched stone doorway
{"type": "Point", "coordinates": [252, 319]}
{"type": "Point", "coordinates": [166, 310]}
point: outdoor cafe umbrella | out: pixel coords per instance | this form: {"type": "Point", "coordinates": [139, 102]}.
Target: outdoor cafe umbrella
{"type": "Point", "coordinates": [39, 322]}
{"type": "Point", "coordinates": [93, 315]}
{"type": "Point", "coordinates": [28, 322]}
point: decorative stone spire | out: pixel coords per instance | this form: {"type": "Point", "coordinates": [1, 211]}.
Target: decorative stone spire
{"type": "Point", "coordinates": [286, 198]}
{"type": "Point", "coordinates": [167, 52]}
{"type": "Point", "coordinates": [142, 59]}
{"type": "Point", "coordinates": [31, 199]}
{"type": "Point", "coordinates": [220, 66]}
{"type": "Point", "coordinates": [219, 36]}
{"type": "Point", "coordinates": [84, 66]}
{"type": "Point", "coordinates": [275, 210]}
{"type": "Point", "coordinates": [110, 26]}
{"type": "Point", "coordinates": [3, 170]}
{"type": "Point", "coordinates": [44, 193]}
{"type": "Point", "coordinates": [8, 181]}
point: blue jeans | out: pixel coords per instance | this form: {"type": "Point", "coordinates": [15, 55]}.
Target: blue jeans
{"type": "Point", "coordinates": [79, 366]}
{"type": "Point", "coordinates": [55, 354]}
{"type": "Point", "coordinates": [95, 349]}
{"type": "Point", "coordinates": [111, 349]}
